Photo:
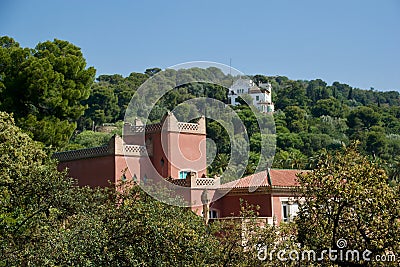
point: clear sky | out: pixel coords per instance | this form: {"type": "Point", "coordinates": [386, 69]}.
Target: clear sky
{"type": "Point", "coordinates": [351, 41]}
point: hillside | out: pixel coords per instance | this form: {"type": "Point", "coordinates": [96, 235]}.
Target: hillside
{"type": "Point", "coordinates": [310, 117]}
{"type": "Point", "coordinates": [56, 99]}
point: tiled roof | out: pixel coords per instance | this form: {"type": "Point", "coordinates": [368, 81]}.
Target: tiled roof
{"type": "Point", "coordinates": [254, 90]}
{"type": "Point", "coordinates": [279, 178]}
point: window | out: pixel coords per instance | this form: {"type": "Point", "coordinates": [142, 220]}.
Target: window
{"type": "Point", "coordinates": [285, 212]}
{"type": "Point", "coordinates": [183, 174]}
{"type": "Point", "coordinates": [257, 98]}
{"type": "Point", "coordinates": [289, 210]}
{"type": "Point", "coordinates": [213, 214]}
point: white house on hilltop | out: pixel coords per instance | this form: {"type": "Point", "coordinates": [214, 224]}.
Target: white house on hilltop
{"type": "Point", "coordinates": [260, 94]}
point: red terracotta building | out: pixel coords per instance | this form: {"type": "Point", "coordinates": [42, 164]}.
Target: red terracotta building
{"type": "Point", "coordinates": [176, 151]}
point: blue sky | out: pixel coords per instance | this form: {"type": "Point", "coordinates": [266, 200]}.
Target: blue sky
{"type": "Point", "coordinates": [352, 41]}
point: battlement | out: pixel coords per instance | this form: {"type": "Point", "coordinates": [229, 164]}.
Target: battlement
{"type": "Point", "coordinates": [169, 123]}
{"type": "Point", "coordinates": [83, 153]}
{"type": "Point", "coordinates": [197, 182]}
{"type": "Point", "coordinates": [114, 147]}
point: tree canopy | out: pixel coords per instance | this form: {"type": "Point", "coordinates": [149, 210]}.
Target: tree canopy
{"type": "Point", "coordinates": [310, 115]}
{"type": "Point", "coordinates": [46, 220]}
{"type": "Point", "coordinates": [347, 196]}
{"type": "Point", "coordinates": [43, 87]}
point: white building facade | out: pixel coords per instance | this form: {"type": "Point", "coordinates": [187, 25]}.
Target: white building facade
{"type": "Point", "coordinates": [261, 94]}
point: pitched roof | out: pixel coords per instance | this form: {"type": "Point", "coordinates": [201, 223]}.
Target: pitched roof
{"type": "Point", "coordinates": [279, 178]}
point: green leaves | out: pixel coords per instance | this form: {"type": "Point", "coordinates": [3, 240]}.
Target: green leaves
{"type": "Point", "coordinates": [103, 105]}
{"type": "Point", "coordinates": [44, 88]}
{"type": "Point", "coordinates": [29, 186]}
{"type": "Point", "coordinates": [347, 196]}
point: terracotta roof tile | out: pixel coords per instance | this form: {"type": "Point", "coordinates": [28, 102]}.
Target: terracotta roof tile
{"type": "Point", "coordinates": [279, 178]}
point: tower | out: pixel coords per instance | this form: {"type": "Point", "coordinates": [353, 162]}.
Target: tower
{"type": "Point", "coordinates": [174, 148]}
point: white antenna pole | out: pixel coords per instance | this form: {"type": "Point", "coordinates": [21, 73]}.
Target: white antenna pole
{"type": "Point", "coordinates": [230, 66]}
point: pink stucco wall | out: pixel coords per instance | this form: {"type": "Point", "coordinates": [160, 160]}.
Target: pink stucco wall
{"type": "Point", "coordinates": [277, 208]}
{"type": "Point", "coordinates": [229, 205]}
{"type": "Point", "coordinates": [188, 152]}
{"type": "Point", "coordinates": [94, 172]}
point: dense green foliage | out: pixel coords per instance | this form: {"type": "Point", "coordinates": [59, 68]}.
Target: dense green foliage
{"type": "Point", "coordinates": [51, 94]}
{"type": "Point", "coordinates": [347, 197]}
{"type": "Point", "coordinates": [43, 87]}
{"type": "Point", "coordinates": [310, 116]}
{"type": "Point", "coordinates": [45, 220]}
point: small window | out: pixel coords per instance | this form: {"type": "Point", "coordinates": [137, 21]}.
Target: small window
{"type": "Point", "coordinates": [285, 212]}
{"type": "Point", "coordinates": [257, 98]}
{"type": "Point", "coordinates": [213, 214]}
{"type": "Point", "coordinates": [183, 174]}
{"type": "Point", "coordinates": [289, 211]}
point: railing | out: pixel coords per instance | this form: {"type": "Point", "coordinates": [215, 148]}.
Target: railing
{"type": "Point", "coordinates": [205, 182]}
{"type": "Point", "coordinates": [153, 127]}
{"type": "Point", "coordinates": [135, 150]}
{"type": "Point", "coordinates": [180, 182]}
{"type": "Point", "coordinates": [188, 127]}
{"type": "Point", "coordinates": [83, 153]}
{"type": "Point", "coordinates": [138, 129]}
{"type": "Point", "coordinates": [197, 183]}
{"type": "Point", "coordinates": [146, 128]}
{"type": "Point", "coordinates": [157, 127]}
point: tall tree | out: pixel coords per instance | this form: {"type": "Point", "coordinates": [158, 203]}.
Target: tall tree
{"type": "Point", "coordinates": [291, 93]}
{"type": "Point", "coordinates": [295, 118]}
{"type": "Point", "coordinates": [102, 105]}
{"type": "Point", "coordinates": [328, 107]}
{"type": "Point", "coordinates": [44, 87]}
{"type": "Point", "coordinates": [152, 71]}
{"type": "Point", "coordinates": [362, 119]}
{"type": "Point", "coordinates": [32, 192]}
{"type": "Point", "coordinates": [348, 197]}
